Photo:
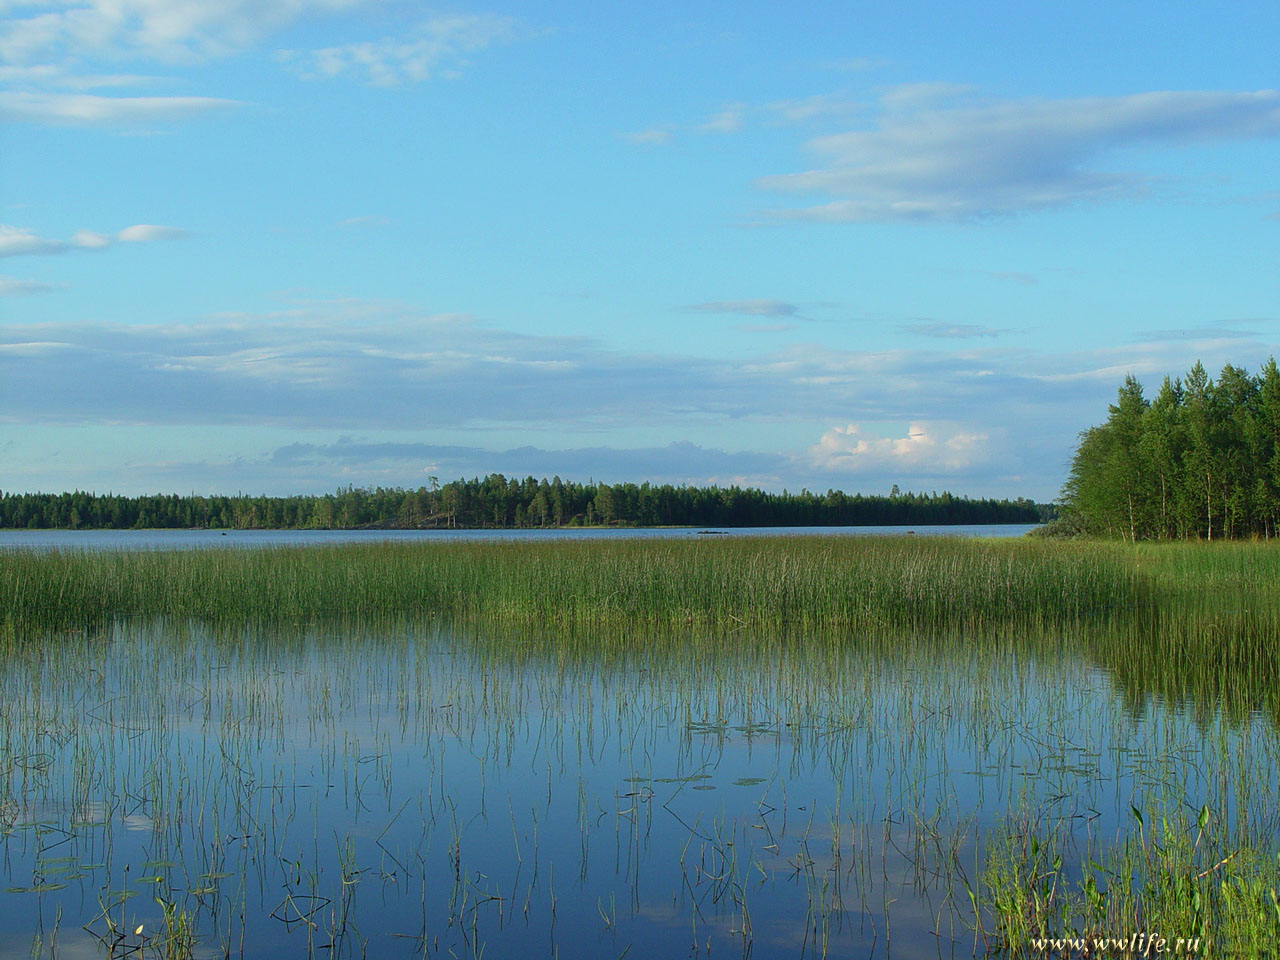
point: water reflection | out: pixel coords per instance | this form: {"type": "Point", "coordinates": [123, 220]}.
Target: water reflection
{"type": "Point", "coordinates": [404, 790]}
{"type": "Point", "coordinates": [193, 539]}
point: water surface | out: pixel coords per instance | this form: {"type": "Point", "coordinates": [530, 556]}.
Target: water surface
{"type": "Point", "coordinates": [189, 539]}
{"type": "Point", "coordinates": [412, 790]}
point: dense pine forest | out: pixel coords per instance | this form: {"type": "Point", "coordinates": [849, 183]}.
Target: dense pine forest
{"type": "Point", "coordinates": [497, 501]}
{"type": "Point", "coordinates": [1199, 461]}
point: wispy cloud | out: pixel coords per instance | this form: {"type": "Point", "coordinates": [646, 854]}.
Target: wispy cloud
{"type": "Point", "coordinates": [764, 327]}
{"type": "Point", "coordinates": [858, 64]}
{"type": "Point", "coordinates": [83, 109]}
{"type": "Point", "coordinates": [14, 287]}
{"type": "Point", "coordinates": [172, 31]}
{"type": "Point", "coordinates": [728, 120]}
{"type": "Point", "coordinates": [1013, 276]}
{"type": "Point", "coordinates": [649, 137]}
{"type": "Point", "coordinates": [367, 220]}
{"type": "Point", "coordinates": [357, 366]}
{"type": "Point", "coordinates": [934, 155]}
{"type": "Point", "coordinates": [438, 46]}
{"type": "Point", "coordinates": [1219, 330]}
{"type": "Point", "coordinates": [819, 107]}
{"type": "Point", "coordinates": [49, 75]}
{"type": "Point", "coordinates": [21, 241]}
{"type": "Point", "coordinates": [149, 233]}
{"type": "Point", "coordinates": [948, 331]}
{"type": "Point", "coordinates": [750, 308]}
{"type": "Point", "coordinates": [677, 462]}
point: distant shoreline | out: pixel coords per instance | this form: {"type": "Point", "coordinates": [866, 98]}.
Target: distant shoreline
{"type": "Point", "coordinates": [708, 528]}
{"type": "Point", "coordinates": [497, 502]}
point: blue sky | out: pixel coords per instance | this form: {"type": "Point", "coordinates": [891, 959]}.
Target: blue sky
{"type": "Point", "coordinates": [285, 245]}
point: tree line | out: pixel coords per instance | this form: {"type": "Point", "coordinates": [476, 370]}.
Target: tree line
{"type": "Point", "coordinates": [1199, 461]}
{"type": "Point", "coordinates": [498, 502]}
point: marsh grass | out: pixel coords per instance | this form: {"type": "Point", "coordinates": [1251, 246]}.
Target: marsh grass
{"type": "Point", "coordinates": [1204, 636]}
{"type": "Point", "coordinates": [921, 583]}
{"type": "Point", "coordinates": [1174, 874]}
{"type": "Point", "coordinates": [777, 735]}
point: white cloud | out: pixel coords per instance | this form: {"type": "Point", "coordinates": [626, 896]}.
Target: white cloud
{"type": "Point", "coordinates": [149, 233]}
{"type": "Point", "coordinates": [910, 95]}
{"type": "Point", "coordinates": [359, 366]}
{"type": "Point", "coordinates": [366, 220]}
{"type": "Point", "coordinates": [728, 120]}
{"type": "Point", "coordinates": [929, 160]}
{"type": "Point", "coordinates": [437, 46]}
{"type": "Point", "coordinates": [750, 308]}
{"type": "Point", "coordinates": [83, 109]}
{"type": "Point", "coordinates": [14, 287]}
{"type": "Point", "coordinates": [764, 327]}
{"type": "Point", "coordinates": [649, 137]}
{"type": "Point", "coordinates": [20, 241]}
{"type": "Point", "coordinates": [53, 75]}
{"type": "Point", "coordinates": [174, 31]}
{"type": "Point", "coordinates": [948, 331]}
{"type": "Point", "coordinates": [858, 64]}
{"type": "Point", "coordinates": [33, 347]}
{"type": "Point", "coordinates": [90, 240]}
{"type": "Point", "coordinates": [1014, 276]}
{"type": "Point", "coordinates": [814, 108]}
{"type": "Point", "coordinates": [927, 448]}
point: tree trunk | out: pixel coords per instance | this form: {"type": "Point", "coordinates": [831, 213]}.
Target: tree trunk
{"type": "Point", "coordinates": [1208, 502]}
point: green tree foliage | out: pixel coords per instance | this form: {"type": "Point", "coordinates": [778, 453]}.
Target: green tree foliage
{"type": "Point", "coordinates": [1201, 461]}
{"type": "Point", "coordinates": [496, 501]}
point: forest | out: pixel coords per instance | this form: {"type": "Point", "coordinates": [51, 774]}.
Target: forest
{"type": "Point", "coordinates": [1199, 461]}
{"type": "Point", "coordinates": [499, 502]}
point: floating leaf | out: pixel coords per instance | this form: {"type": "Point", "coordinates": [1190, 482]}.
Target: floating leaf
{"type": "Point", "coordinates": [38, 888]}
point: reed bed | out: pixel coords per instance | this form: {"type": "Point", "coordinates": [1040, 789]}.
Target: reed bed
{"type": "Point", "coordinates": [920, 583]}
{"type": "Point", "coordinates": [1175, 876]}
{"type": "Point", "coordinates": [782, 736]}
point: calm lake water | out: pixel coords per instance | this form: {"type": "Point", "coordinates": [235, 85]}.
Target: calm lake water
{"type": "Point", "coordinates": [187, 539]}
{"type": "Point", "coordinates": [409, 790]}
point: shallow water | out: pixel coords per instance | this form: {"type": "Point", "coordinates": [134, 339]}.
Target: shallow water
{"type": "Point", "coordinates": [408, 791]}
{"type": "Point", "coordinates": [190, 539]}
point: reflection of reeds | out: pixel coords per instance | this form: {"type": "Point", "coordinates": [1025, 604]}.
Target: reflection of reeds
{"type": "Point", "coordinates": [1181, 623]}
{"type": "Point", "coordinates": [810, 581]}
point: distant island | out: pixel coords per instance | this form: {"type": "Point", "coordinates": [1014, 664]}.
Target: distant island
{"type": "Point", "coordinates": [500, 502]}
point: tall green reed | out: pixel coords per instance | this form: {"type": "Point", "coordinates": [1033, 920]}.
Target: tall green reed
{"type": "Point", "coordinates": [811, 581]}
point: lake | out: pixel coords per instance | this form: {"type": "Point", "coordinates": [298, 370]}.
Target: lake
{"type": "Point", "coordinates": [411, 786]}
{"type": "Point", "coordinates": [400, 792]}
{"type": "Point", "coordinates": [188, 539]}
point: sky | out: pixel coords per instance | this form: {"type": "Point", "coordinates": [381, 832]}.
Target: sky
{"type": "Point", "coordinates": [282, 246]}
